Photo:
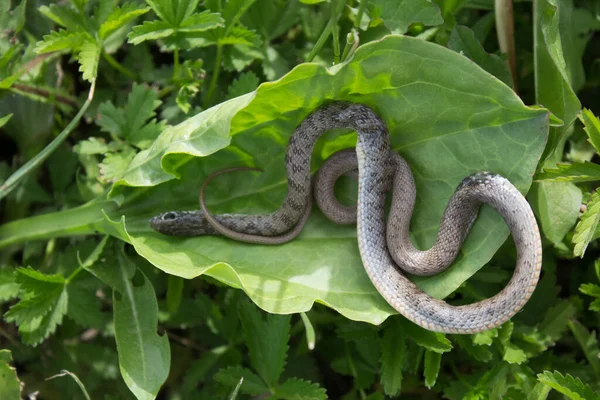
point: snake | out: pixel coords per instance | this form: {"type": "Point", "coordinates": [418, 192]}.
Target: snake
{"type": "Point", "coordinates": [385, 247]}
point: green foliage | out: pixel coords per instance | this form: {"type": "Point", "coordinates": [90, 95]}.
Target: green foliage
{"type": "Point", "coordinates": [180, 89]}
{"type": "Point", "coordinates": [571, 387]}
{"type": "Point", "coordinates": [10, 386]}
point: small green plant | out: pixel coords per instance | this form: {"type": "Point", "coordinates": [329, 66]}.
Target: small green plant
{"type": "Point", "coordinates": [112, 112]}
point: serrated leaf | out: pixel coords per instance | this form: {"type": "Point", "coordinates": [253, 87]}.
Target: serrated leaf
{"type": "Point", "coordinates": [150, 30]}
{"type": "Point", "coordinates": [298, 389]}
{"type": "Point", "coordinates": [595, 305]}
{"type": "Point", "coordinates": [252, 384]}
{"type": "Point", "coordinates": [131, 122]}
{"type": "Point", "coordinates": [591, 126]}
{"type": "Point", "coordinates": [240, 36]}
{"type": "Point", "coordinates": [556, 320]}
{"type": "Point", "coordinates": [571, 387]}
{"type": "Point", "coordinates": [573, 172]}
{"type": "Point", "coordinates": [84, 307]}
{"type": "Point", "coordinates": [39, 315]}
{"type": "Point", "coordinates": [397, 15]}
{"type": "Point", "coordinates": [513, 354]}
{"type": "Point", "coordinates": [144, 356]}
{"type": "Point", "coordinates": [491, 385]}
{"type": "Point", "coordinates": [201, 22]}
{"type": "Point", "coordinates": [89, 57]}
{"type": "Point", "coordinates": [432, 365]}
{"type": "Point", "coordinates": [234, 9]}
{"type": "Point", "coordinates": [173, 11]}
{"type": "Point", "coordinates": [393, 353]}
{"type": "Point", "coordinates": [433, 341]}
{"type": "Point", "coordinates": [481, 353]}
{"type": "Point", "coordinates": [485, 338]}
{"type": "Point", "coordinates": [540, 392]}
{"type": "Point", "coordinates": [244, 83]}
{"type": "Point", "coordinates": [590, 289]}
{"type": "Point", "coordinates": [588, 343]}
{"type": "Point", "coordinates": [10, 386]}
{"type": "Point", "coordinates": [93, 145]}
{"type": "Point", "coordinates": [114, 165]}
{"type": "Point", "coordinates": [64, 16]}
{"type": "Point", "coordinates": [104, 9]}
{"type": "Point", "coordinates": [119, 17]}
{"type": "Point", "coordinates": [586, 227]}
{"type": "Point", "coordinates": [266, 340]}
{"type": "Point", "coordinates": [462, 40]}
{"type": "Point", "coordinates": [61, 40]}
{"type": "Point", "coordinates": [9, 288]}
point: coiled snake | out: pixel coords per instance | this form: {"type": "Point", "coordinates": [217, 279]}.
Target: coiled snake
{"type": "Point", "coordinates": [378, 169]}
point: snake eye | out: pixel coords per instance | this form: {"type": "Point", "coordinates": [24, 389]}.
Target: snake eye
{"type": "Point", "coordinates": [169, 215]}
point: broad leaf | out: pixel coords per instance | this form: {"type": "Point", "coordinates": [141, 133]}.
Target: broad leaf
{"type": "Point", "coordinates": [393, 354]}
{"type": "Point", "coordinates": [480, 124]}
{"type": "Point", "coordinates": [553, 86]}
{"type": "Point", "coordinates": [462, 40]}
{"type": "Point", "coordinates": [556, 204]}
{"type": "Point", "coordinates": [397, 15]}
{"type": "Point", "coordinates": [144, 356]}
{"type": "Point", "coordinates": [266, 341]}
{"type": "Point", "coordinates": [10, 386]}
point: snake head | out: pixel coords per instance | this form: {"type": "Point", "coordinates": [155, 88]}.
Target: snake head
{"type": "Point", "coordinates": [181, 223]}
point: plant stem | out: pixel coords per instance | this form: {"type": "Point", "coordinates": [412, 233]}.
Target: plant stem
{"type": "Point", "coordinates": [335, 32]}
{"type": "Point", "coordinates": [361, 11]}
{"type": "Point", "coordinates": [215, 76]}
{"type": "Point", "coordinates": [331, 26]}
{"type": "Point", "coordinates": [320, 42]}
{"type": "Point", "coordinates": [39, 158]}
{"type": "Point", "coordinates": [115, 64]}
{"type": "Point", "coordinates": [352, 41]}
{"type": "Point", "coordinates": [176, 64]}
{"type": "Point", "coordinates": [21, 87]}
{"type": "Point", "coordinates": [506, 34]}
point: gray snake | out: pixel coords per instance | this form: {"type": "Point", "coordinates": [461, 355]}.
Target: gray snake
{"type": "Point", "coordinates": [379, 168]}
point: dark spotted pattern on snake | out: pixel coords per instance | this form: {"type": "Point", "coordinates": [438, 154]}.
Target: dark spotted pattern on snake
{"type": "Point", "coordinates": [380, 169]}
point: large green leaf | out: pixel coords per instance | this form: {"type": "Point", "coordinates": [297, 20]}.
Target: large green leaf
{"type": "Point", "coordinates": [447, 117]}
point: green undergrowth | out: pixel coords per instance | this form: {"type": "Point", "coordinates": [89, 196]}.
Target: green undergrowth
{"type": "Point", "coordinates": [112, 112]}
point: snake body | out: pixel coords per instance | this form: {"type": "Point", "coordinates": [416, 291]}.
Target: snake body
{"type": "Point", "coordinates": [379, 168]}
